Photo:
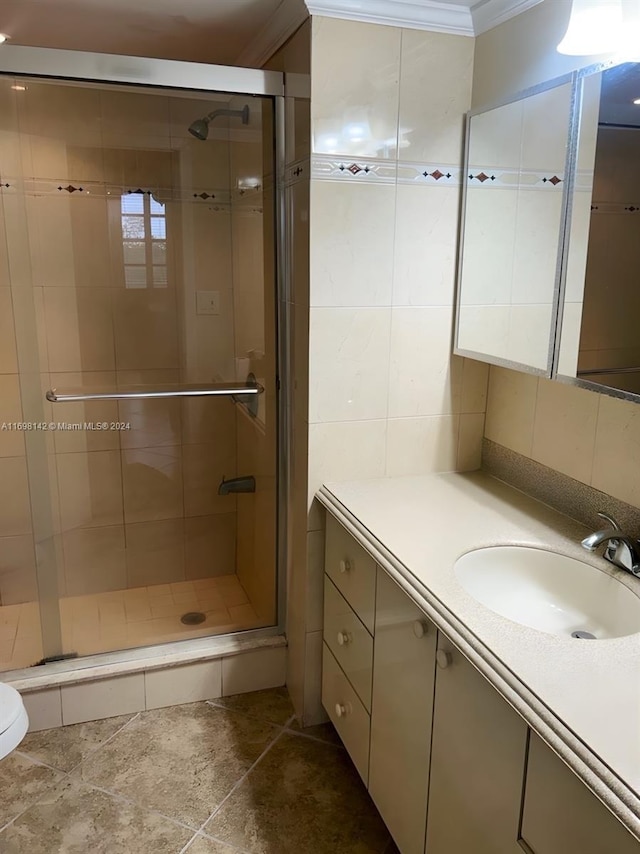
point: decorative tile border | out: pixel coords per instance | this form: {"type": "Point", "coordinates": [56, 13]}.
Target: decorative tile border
{"type": "Point", "coordinates": [514, 179]}
{"type": "Point", "coordinates": [615, 208]}
{"type": "Point", "coordinates": [215, 199]}
{"type": "Point", "coordinates": [328, 167]}
{"type": "Point", "coordinates": [297, 171]}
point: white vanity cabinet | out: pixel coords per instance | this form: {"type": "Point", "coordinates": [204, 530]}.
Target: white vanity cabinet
{"type": "Point", "coordinates": [402, 705]}
{"type": "Point", "coordinates": [561, 815]}
{"type": "Point", "coordinates": [451, 767]}
{"type": "Point", "coordinates": [477, 759]}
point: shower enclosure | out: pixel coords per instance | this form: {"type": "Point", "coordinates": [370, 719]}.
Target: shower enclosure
{"type": "Point", "coordinates": [141, 438]}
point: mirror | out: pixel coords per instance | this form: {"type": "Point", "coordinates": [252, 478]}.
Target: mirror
{"type": "Point", "coordinates": [512, 227]}
{"type": "Point", "coordinates": [600, 344]}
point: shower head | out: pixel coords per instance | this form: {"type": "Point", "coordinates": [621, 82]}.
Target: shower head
{"type": "Point", "coordinates": [200, 128]}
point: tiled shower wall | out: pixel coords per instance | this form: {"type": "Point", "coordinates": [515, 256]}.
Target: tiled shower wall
{"type": "Point", "coordinates": [591, 437]}
{"type": "Point", "coordinates": [139, 506]}
{"type": "Point", "coordinates": [385, 395]}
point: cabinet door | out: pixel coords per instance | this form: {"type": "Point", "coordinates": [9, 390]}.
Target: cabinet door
{"type": "Point", "coordinates": [477, 763]}
{"type": "Point", "coordinates": [402, 704]}
{"type": "Point", "coordinates": [561, 814]}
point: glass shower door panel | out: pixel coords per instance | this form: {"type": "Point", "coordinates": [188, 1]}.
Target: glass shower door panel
{"type": "Point", "coordinates": [149, 272]}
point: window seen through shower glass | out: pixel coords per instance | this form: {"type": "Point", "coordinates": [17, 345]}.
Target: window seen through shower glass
{"type": "Point", "coordinates": [134, 254]}
{"type": "Point", "coordinates": [144, 241]}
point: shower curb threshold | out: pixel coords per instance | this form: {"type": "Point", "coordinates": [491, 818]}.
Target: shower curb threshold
{"type": "Point", "coordinates": [121, 663]}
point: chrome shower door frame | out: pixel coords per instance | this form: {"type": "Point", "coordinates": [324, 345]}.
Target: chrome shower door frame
{"type": "Point", "coordinates": [86, 68]}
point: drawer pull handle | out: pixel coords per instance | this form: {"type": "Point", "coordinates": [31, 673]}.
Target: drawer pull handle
{"type": "Point", "coordinates": [342, 709]}
{"type": "Point", "coordinates": [420, 628]}
{"type": "Point", "coordinates": [345, 565]}
{"type": "Point", "coordinates": [344, 638]}
{"type": "Point", "coordinates": [443, 659]}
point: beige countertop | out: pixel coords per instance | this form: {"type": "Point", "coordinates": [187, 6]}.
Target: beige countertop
{"type": "Point", "coordinates": [582, 697]}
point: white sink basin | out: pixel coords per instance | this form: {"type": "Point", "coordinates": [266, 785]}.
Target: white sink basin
{"type": "Point", "coordinates": [549, 592]}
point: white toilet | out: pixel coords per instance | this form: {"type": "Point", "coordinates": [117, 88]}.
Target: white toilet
{"type": "Point", "coordinates": [14, 721]}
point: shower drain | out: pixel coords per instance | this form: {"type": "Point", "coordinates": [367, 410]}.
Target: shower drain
{"type": "Point", "coordinates": [583, 635]}
{"type": "Point", "coordinates": [192, 618]}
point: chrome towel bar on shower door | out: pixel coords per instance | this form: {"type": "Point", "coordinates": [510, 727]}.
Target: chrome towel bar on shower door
{"type": "Point", "coordinates": [216, 390]}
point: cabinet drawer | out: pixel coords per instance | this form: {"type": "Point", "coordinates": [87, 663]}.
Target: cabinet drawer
{"type": "Point", "coordinates": [348, 715]}
{"type": "Point", "coordinates": [352, 570]}
{"type": "Point", "coordinates": [349, 641]}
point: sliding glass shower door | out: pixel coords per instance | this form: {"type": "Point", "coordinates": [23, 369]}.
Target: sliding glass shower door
{"type": "Point", "coordinates": [138, 364]}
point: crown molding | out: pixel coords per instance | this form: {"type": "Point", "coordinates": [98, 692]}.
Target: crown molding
{"type": "Point", "coordinates": [289, 15]}
{"type": "Point", "coordinates": [464, 18]}
{"type": "Point", "coordinates": [415, 14]}
{"type": "Point", "coordinates": [488, 14]}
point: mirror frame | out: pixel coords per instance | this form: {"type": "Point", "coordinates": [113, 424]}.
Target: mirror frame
{"type": "Point", "coordinates": [558, 292]}
{"type": "Point", "coordinates": [580, 76]}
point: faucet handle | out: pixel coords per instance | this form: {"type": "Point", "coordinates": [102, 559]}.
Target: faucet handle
{"type": "Point", "coordinates": [610, 520]}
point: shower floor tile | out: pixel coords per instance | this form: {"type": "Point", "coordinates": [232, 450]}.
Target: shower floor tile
{"type": "Point", "coordinates": [230, 776]}
{"type": "Point", "coordinates": [121, 619]}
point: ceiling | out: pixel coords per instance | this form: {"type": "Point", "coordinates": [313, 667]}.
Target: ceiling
{"type": "Point", "coordinates": [214, 31]}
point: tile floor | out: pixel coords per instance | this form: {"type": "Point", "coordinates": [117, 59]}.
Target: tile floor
{"type": "Point", "coordinates": [128, 618]}
{"type": "Point", "coordinates": [219, 777]}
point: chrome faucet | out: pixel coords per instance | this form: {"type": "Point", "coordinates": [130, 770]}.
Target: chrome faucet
{"type": "Point", "coordinates": [621, 550]}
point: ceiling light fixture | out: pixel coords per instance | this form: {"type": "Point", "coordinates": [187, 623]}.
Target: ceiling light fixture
{"type": "Point", "coordinates": [595, 26]}
{"type": "Point", "coordinates": [18, 87]}
{"type": "Point", "coordinates": [3, 38]}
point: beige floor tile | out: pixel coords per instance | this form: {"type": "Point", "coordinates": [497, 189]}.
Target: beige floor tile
{"type": "Point", "coordinates": [65, 747]}
{"type": "Point", "coordinates": [22, 782]}
{"type": "Point", "coordinates": [273, 704]}
{"type": "Point", "coordinates": [205, 845]}
{"type": "Point", "coordinates": [302, 796]}
{"type": "Point", "coordinates": [181, 761]}
{"type": "Point", "coordinates": [74, 817]}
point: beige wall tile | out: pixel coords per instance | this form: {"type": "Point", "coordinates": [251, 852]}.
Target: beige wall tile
{"type": "Point", "coordinates": [616, 464]}
{"type": "Point", "coordinates": [425, 246]}
{"type": "Point", "coordinates": [155, 552]}
{"type": "Point", "coordinates": [253, 671]}
{"type": "Point", "coordinates": [44, 709]}
{"type": "Point", "coordinates": [204, 467]}
{"type": "Point", "coordinates": [432, 116]}
{"type": "Point", "coordinates": [346, 450]}
{"type": "Point", "coordinates": [146, 329]}
{"type": "Point", "coordinates": [79, 329]}
{"type": "Point", "coordinates": [90, 489]}
{"type": "Point", "coordinates": [421, 445]}
{"type": "Point", "coordinates": [511, 407]}
{"type": "Point", "coordinates": [424, 379]}
{"type": "Point", "coordinates": [347, 218]}
{"type": "Point", "coordinates": [8, 355]}
{"type": "Point", "coordinates": [96, 412]}
{"type": "Point", "coordinates": [106, 698]}
{"type": "Point", "coordinates": [354, 88]}
{"type": "Point", "coordinates": [152, 482]}
{"type": "Point", "coordinates": [11, 441]}
{"type": "Point", "coordinates": [564, 430]}
{"type": "Point", "coordinates": [190, 683]}
{"type": "Point", "coordinates": [348, 363]}
{"type": "Point", "coordinates": [210, 545]}
{"type": "Point", "coordinates": [94, 560]}
{"type": "Point", "coordinates": [475, 382]}
{"type": "Point", "coordinates": [17, 570]}
{"type": "Point", "coordinates": [206, 419]}
{"type": "Point", "coordinates": [15, 510]}
{"type": "Point", "coordinates": [154, 423]}
{"type": "Point", "coordinates": [470, 441]}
